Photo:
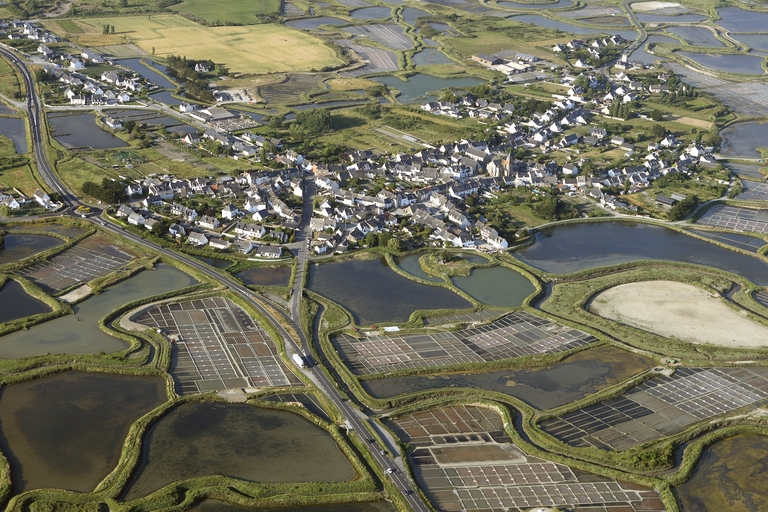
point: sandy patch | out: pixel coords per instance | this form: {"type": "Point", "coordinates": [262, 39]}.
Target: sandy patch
{"type": "Point", "coordinates": [678, 310]}
{"type": "Point", "coordinates": [698, 123]}
{"type": "Point", "coordinates": [77, 294]}
{"type": "Point", "coordinates": [655, 6]}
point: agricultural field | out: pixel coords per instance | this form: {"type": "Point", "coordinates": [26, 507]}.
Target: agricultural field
{"type": "Point", "coordinates": [280, 48]}
{"type": "Point", "coordinates": [221, 12]}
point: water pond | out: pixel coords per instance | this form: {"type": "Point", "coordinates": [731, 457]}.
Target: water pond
{"type": "Point", "coordinates": [645, 57]}
{"type": "Point", "coordinates": [81, 130]}
{"type": "Point", "coordinates": [746, 64]}
{"type": "Point", "coordinates": [67, 431]}
{"type": "Point", "coordinates": [410, 15]}
{"type": "Point", "coordinates": [697, 36]}
{"type": "Point", "coordinates": [371, 13]}
{"type": "Point", "coordinates": [374, 293]}
{"type": "Point", "coordinates": [214, 262]}
{"type": "Point", "coordinates": [746, 242]}
{"type": "Point", "coordinates": [741, 140]}
{"type": "Point", "coordinates": [236, 440]}
{"type": "Point", "coordinates": [266, 276]}
{"type": "Point", "coordinates": [148, 73]}
{"type": "Point", "coordinates": [18, 247]}
{"type": "Point", "coordinates": [661, 18]}
{"type": "Point", "coordinates": [754, 41]}
{"type": "Point", "coordinates": [15, 129]}
{"type": "Point", "coordinates": [313, 23]}
{"type": "Point", "coordinates": [544, 388]}
{"type": "Point", "coordinates": [496, 286]}
{"type": "Point", "coordinates": [45, 228]}
{"type": "Point", "coordinates": [411, 265]}
{"type": "Point", "coordinates": [728, 476]}
{"type": "Point", "coordinates": [427, 57]}
{"type": "Point", "coordinates": [574, 247]}
{"type": "Point", "coordinates": [542, 21]}
{"type": "Point", "coordinates": [218, 506]}
{"type": "Point", "coordinates": [80, 333]}
{"type": "Point", "coordinates": [473, 257]}
{"type": "Point", "coordinates": [736, 19]}
{"type": "Point", "coordinates": [15, 303]}
{"type": "Point", "coordinates": [554, 5]}
{"type": "Point", "coordinates": [418, 85]}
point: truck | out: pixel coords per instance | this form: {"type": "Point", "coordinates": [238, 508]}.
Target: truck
{"type": "Point", "coordinates": [299, 361]}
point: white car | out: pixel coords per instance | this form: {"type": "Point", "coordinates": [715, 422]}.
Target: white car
{"type": "Point", "coordinates": [390, 470]}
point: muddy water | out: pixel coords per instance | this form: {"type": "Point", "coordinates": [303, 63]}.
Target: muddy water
{"type": "Point", "coordinates": [544, 388]}
{"type": "Point", "coordinates": [67, 431]}
{"type": "Point", "coordinates": [240, 441]}
{"type": "Point", "coordinates": [373, 292]}
{"type": "Point", "coordinates": [729, 476]}
{"type": "Point", "coordinates": [15, 303]}
{"type": "Point", "coordinates": [80, 333]}
{"type": "Point", "coordinates": [18, 247]}
{"type": "Point", "coordinates": [266, 276]}
{"type": "Point", "coordinates": [496, 286]}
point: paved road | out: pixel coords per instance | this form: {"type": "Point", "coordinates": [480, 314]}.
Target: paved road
{"type": "Point", "coordinates": [353, 417]}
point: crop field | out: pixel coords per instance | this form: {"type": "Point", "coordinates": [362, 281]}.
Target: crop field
{"type": "Point", "coordinates": [661, 407]}
{"type": "Point", "coordinates": [289, 89]}
{"type": "Point", "coordinates": [217, 346]}
{"type": "Point", "coordinates": [279, 48]}
{"type": "Point", "coordinates": [516, 335]}
{"type": "Point", "coordinates": [465, 461]}
{"type": "Point", "coordinates": [228, 11]}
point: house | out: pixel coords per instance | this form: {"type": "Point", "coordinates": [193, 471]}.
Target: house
{"type": "Point", "coordinates": [92, 56]}
{"type": "Point", "coordinates": [134, 189]}
{"type": "Point", "coordinates": [271, 252]}
{"type": "Point", "coordinates": [201, 68]}
{"type": "Point", "coordinates": [229, 212]}
{"type": "Point", "coordinates": [208, 222]}
{"type": "Point", "coordinates": [177, 231]}
{"type": "Point", "coordinates": [151, 223]}
{"type": "Point", "coordinates": [113, 123]}
{"type": "Point", "coordinates": [9, 201]}
{"type": "Point", "coordinates": [486, 60]}
{"type": "Point", "coordinates": [124, 211]}
{"type": "Point", "coordinates": [248, 230]}
{"type": "Point", "coordinates": [135, 219]}
{"type": "Point", "coordinates": [244, 246]}
{"type": "Point", "coordinates": [197, 239]}
{"type": "Point", "coordinates": [218, 243]}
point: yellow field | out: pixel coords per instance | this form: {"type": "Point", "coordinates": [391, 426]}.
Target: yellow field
{"type": "Point", "coordinates": [247, 49]}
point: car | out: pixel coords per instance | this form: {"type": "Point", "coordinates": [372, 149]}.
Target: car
{"type": "Point", "coordinates": [390, 470]}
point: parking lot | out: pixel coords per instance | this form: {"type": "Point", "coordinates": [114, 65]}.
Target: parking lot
{"type": "Point", "coordinates": [376, 60]}
{"type": "Point", "coordinates": [389, 35]}
{"type": "Point", "coordinates": [661, 407]}
{"type": "Point", "coordinates": [736, 218]}
{"type": "Point", "coordinates": [217, 346]}
{"type": "Point", "coordinates": [93, 257]}
{"type": "Point", "coordinates": [516, 335]}
{"type": "Point", "coordinates": [754, 191]}
{"type": "Point", "coordinates": [465, 461]}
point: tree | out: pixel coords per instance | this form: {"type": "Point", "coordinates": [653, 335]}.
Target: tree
{"type": "Point", "coordinates": [657, 115]}
{"type": "Point", "coordinates": [683, 208]}
{"type": "Point", "coordinates": [123, 3]}
{"type": "Point", "coordinates": [108, 192]}
{"type": "Point", "coordinates": [395, 244]}
{"type": "Point", "coordinates": [314, 121]}
{"type": "Point", "coordinates": [658, 131]}
{"type": "Point", "coordinates": [371, 239]}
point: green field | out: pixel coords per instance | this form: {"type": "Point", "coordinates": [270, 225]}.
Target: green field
{"type": "Point", "coordinates": [228, 11]}
{"type": "Point", "coordinates": [244, 49]}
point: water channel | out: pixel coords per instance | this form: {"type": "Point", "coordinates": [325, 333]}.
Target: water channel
{"type": "Point", "coordinates": [18, 247]}
{"type": "Point", "coordinates": [148, 73]}
{"type": "Point", "coordinates": [371, 13]}
{"type": "Point", "coordinates": [314, 23]}
{"type": "Point", "coordinates": [67, 431]}
{"type": "Point", "coordinates": [218, 506]}
{"type": "Point", "coordinates": [429, 56]}
{"type": "Point", "coordinates": [745, 64]}
{"type": "Point", "coordinates": [374, 293]}
{"type": "Point", "coordinates": [214, 262]}
{"type": "Point", "coordinates": [237, 440]}
{"type": "Point", "coordinates": [496, 286]}
{"type": "Point", "coordinates": [543, 5]}
{"type": "Point", "coordinates": [80, 333]}
{"type": "Point", "coordinates": [16, 303]}
{"type": "Point", "coordinates": [736, 19]}
{"type": "Point", "coordinates": [411, 265]}
{"type": "Point", "coordinates": [573, 247]}
{"type": "Point", "coordinates": [544, 388]}
{"type": "Point", "coordinates": [648, 58]}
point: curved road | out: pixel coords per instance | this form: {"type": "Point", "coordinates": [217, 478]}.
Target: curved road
{"type": "Point", "coordinates": [353, 417]}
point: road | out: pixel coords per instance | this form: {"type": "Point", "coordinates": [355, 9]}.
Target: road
{"type": "Point", "coordinates": [353, 417]}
